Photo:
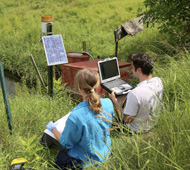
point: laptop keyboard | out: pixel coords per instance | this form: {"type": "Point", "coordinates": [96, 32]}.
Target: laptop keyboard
{"type": "Point", "coordinates": [114, 83]}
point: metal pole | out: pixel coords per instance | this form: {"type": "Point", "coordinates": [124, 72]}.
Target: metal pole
{"type": "Point", "coordinates": [116, 47]}
{"type": "Point", "coordinates": [50, 68]}
{"type": "Point", "coordinates": [84, 45]}
{"type": "Point", "coordinates": [39, 75]}
{"type": "Point", "coordinates": [50, 80]}
{"type": "Point", "coordinates": [5, 96]}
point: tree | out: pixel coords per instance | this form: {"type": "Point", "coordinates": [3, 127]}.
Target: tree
{"type": "Point", "coordinates": [173, 16]}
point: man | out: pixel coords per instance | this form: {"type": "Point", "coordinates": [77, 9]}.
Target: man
{"type": "Point", "coordinates": [143, 102]}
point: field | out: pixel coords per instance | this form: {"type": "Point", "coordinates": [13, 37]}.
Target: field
{"type": "Point", "coordinates": [92, 21]}
{"type": "Point", "coordinates": [166, 147]}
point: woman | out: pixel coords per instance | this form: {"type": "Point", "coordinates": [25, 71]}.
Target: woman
{"type": "Point", "coordinates": [86, 134]}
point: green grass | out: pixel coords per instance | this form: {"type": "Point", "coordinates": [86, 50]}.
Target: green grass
{"type": "Point", "coordinates": [30, 113]}
{"type": "Point", "coordinates": [92, 21]}
{"type": "Point", "coordinates": [166, 147]}
{"type": "Point", "coordinates": [168, 144]}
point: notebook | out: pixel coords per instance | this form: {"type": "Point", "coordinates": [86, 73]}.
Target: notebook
{"type": "Point", "coordinates": [110, 78]}
{"type": "Point", "coordinates": [60, 126]}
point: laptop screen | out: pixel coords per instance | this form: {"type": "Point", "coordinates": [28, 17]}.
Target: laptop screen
{"type": "Point", "coordinates": [108, 70]}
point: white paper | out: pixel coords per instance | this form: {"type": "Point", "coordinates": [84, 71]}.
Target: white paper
{"type": "Point", "coordinates": [60, 126]}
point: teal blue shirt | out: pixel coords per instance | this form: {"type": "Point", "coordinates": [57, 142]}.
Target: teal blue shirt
{"type": "Point", "coordinates": [86, 134]}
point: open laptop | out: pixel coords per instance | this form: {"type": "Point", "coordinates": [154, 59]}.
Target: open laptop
{"type": "Point", "coordinates": [110, 78]}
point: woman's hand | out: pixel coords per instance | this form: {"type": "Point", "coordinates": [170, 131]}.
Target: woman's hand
{"type": "Point", "coordinates": [50, 126]}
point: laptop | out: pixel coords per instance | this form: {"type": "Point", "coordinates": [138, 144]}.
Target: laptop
{"type": "Point", "coordinates": [110, 78]}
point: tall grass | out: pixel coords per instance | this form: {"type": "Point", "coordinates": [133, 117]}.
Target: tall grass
{"type": "Point", "coordinates": [30, 113]}
{"type": "Point", "coordinates": [166, 147]}
{"type": "Point", "coordinates": [92, 21]}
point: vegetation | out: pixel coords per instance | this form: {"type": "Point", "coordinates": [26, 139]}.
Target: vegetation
{"type": "Point", "coordinates": [92, 21]}
{"type": "Point", "coordinates": [172, 15]}
{"type": "Point", "coordinates": [166, 147]}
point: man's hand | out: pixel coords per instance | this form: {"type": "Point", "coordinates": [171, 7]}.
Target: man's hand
{"type": "Point", "coordinates": [113, 98]}
{"type": "Point", "coordinates": [118, 109]}
{"type": "Point", "coordinates": [127, 118]}
{"type": "Point", "coordinates": [50, 126]}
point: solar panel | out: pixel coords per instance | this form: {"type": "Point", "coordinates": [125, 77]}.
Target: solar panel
{"type": "Point", "coordinates": [54, 50]}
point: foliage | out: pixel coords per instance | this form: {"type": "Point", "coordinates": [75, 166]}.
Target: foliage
{"type": "Point", "coordinates": [172, 16]}
{"type": "Point", "coordinates": [166, 147]}
{"type": "Point", "coordinates": [30, 151]}
{"type": "Point", "coordinates": [31, 111]}
{"type": "Point", "coordinates": [93, 21]}
{"type": "Point", "coordinates": [58, 88]}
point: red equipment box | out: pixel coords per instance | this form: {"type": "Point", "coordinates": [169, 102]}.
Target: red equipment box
{"type": "Point", "coordinates": [68, 72]}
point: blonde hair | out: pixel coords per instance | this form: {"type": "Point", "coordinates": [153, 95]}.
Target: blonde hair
{"type": "Point", "coordinates": [88, 80]}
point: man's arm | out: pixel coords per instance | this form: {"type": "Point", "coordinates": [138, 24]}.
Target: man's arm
{"type": "Point", "coordinates": [118, 103]}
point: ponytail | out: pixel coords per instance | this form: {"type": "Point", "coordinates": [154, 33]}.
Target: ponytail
{"type": "Point", "coordinates": [94, 102]}
{"type": "Point", "coordinates": [88, 80]}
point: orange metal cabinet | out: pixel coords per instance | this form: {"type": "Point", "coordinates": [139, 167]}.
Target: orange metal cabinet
{"type": "Point", "coordinates": [68, 72]}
